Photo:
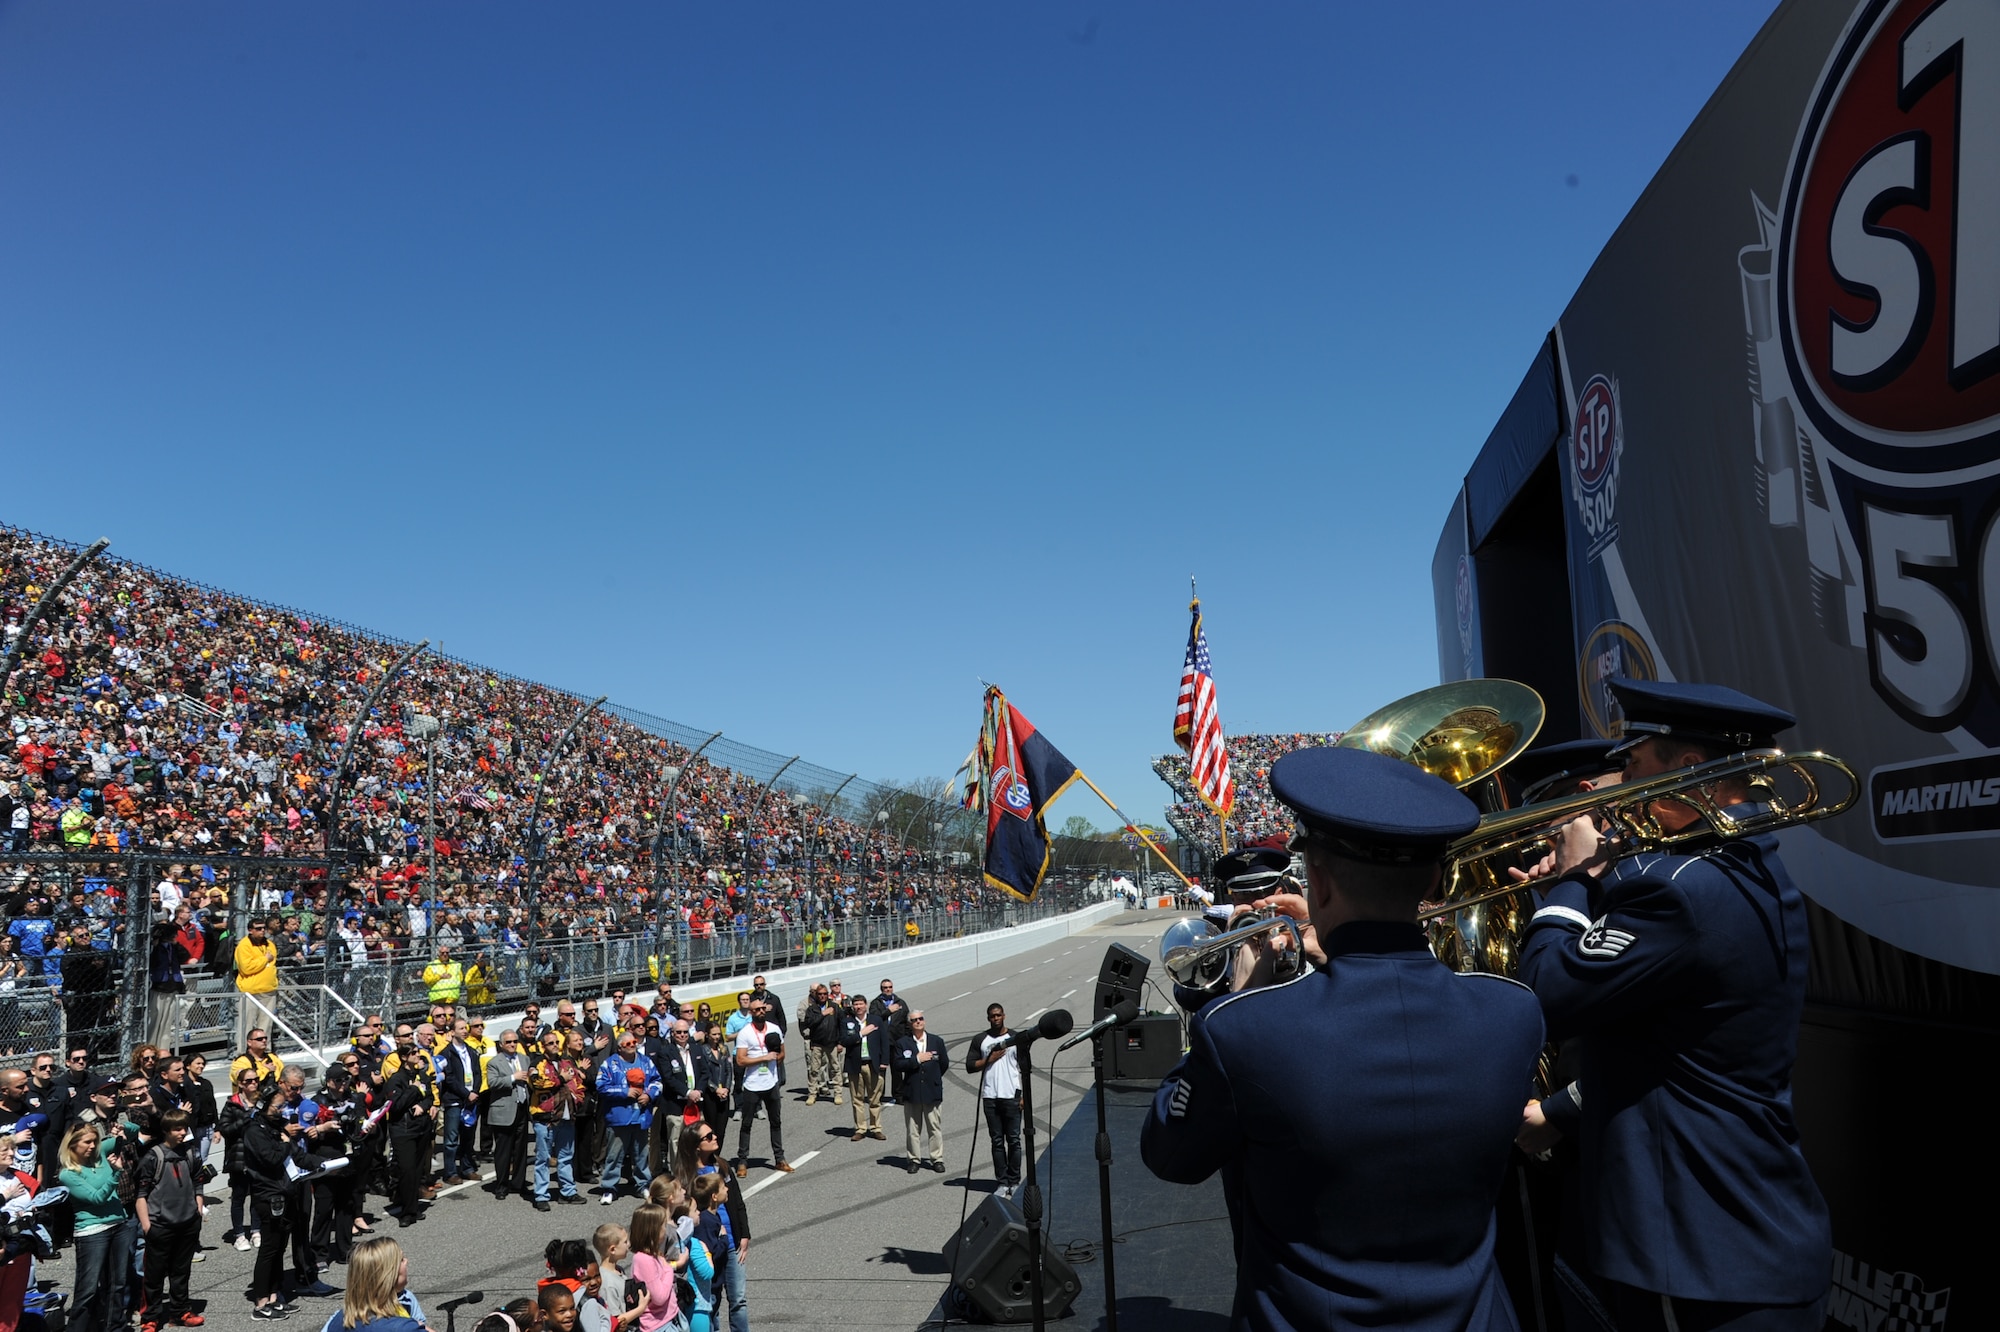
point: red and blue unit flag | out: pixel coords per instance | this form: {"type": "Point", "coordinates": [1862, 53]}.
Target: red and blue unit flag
{"type": "Point", "coordinates": [1198, 725]}
{"type": "Point", "coordinates": [1016, 775]}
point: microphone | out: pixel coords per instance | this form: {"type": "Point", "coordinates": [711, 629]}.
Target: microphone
{"type": "Point", "coordinates": [1123, 1012]}
{"type": "Point", "coordinates": [1056, 1022]}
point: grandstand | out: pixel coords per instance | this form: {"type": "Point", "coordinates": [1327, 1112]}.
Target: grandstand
{"type": "Point", "coordinates": [1257, 815]}
{"type": "Point", "coordinates": [152, 714]}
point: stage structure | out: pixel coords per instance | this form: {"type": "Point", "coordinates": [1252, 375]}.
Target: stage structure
{"type": "Point", "coordinates": [1762, 448]}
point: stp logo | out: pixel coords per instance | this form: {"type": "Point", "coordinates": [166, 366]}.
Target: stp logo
{"type": "Point", "coordinates": [1596, 441]}
{"type": "Point", "coordinates": [1889, 262]}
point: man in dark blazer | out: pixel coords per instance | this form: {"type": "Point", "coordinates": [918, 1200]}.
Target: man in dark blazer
{"type": "Point", "coordinates": [685, 1068]}
{"type": "Point", "coordinates": [922, 1056]}
{"type": "Point", "coordinates": [867, 1047]}
{"type": "Point", "coordinates": [889, 1011]}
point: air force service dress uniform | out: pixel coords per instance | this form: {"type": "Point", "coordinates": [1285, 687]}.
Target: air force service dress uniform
{"type": "Point", "coordinates": [1369, 1106]}
{"type": "Point", "coordinates": [1687, 976]}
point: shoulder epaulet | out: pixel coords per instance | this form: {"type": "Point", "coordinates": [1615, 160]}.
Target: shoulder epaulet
{"type": "Point", "coordinates": [1490, 976]}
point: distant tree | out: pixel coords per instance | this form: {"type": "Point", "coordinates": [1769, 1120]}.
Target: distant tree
{"type": "Point", "coordinates": [1078, 827]}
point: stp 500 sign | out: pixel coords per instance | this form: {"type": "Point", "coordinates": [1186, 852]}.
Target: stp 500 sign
{"type": "Point", "coordinates": [1889, 270]}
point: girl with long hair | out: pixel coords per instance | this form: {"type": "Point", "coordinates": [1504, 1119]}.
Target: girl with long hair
{"type": "Point", "coordinates": [377, 1296]}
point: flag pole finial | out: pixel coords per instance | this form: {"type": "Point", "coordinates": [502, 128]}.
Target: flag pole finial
{"type": "Point", "coordinates": [1194, 597]}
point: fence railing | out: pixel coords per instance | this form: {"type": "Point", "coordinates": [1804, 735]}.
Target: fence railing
{"type": "Point", "coordinates": [98, 990]}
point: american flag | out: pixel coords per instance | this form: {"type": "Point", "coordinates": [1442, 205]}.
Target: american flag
{"type": "Point", "coordinates": [1198, 725]}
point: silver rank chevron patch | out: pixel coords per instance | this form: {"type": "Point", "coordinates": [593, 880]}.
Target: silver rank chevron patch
{"type": "Point", "coordinates": [1177, 1104]}
{"type": "Point", "coordinates": [1601, 941]}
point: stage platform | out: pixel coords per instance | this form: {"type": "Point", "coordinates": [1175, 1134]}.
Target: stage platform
{"type": "Point", "coordinates": [1175, 1269]}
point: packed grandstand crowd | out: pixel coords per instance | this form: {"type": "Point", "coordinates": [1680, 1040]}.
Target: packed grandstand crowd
{"type": "Point", "coordinates": [1257, 816]}
{"type": "Point", "coordinates": [152, 714]}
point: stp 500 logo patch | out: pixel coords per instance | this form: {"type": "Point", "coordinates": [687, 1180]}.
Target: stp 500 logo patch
{"type": "Point", "coordinates": [1873, 304]}
{"type": "Point", "coordinates": [1596, 444]}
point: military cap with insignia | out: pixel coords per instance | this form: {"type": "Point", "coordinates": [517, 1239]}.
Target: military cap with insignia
{"type": "Point", "coordinates": [1371, 807]}
{"type": "Point", "coordinates": [1252, 871]}
{"type": "Point", "coordinates": [1705, 714]}
{"type": "Point", "coordinates": [1547, 766]}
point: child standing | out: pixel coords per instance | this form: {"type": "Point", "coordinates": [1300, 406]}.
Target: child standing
{"type": "Point", "coordinates": [169, 1207]}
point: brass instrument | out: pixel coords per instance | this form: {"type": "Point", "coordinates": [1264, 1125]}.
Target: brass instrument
{"type": "Point", "coordinates": [1195, 956]}
{"type": "Point", "coordinates": [1477, 861]}
{"type": "Point", "coordinates": [1464, 733]}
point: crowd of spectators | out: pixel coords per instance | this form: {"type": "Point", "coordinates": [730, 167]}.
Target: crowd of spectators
{"type": "Point", "coordinates": [570, 1104]}
{"type": "Point", "coordinates": [1257, 816]}
{"type": "Point", "coordinates": [151, 714]}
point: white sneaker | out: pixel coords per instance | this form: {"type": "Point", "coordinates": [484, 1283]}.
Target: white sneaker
{"type": "Point", "coordinates": [257, 1239]}
{"type": "Point", "coordinates": [605, 1201]}
{"type": "Point", "coordinates": [242, 1244]}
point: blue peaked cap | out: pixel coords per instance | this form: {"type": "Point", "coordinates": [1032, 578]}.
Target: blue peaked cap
{"type": "Point", "coordinates": [1372, 807]}
{"type": "Point", "coordinates": [1704, 713]}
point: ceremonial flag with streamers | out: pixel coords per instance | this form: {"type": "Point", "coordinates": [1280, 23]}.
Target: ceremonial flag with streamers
{"type": "Point", "coordinates": [1198, 725]}
{"type": "Point", "coordinates": [1016, 774]}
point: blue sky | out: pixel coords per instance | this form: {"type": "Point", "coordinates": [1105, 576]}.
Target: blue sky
{"type": "Point", "coordinates": [786, 368]}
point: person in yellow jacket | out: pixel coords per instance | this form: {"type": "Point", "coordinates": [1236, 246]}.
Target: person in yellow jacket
{"type": "Point", "coordinates": [256, 974]}
{"type": "Point", "coordinates": [444, 977]}
{"type": "Point", "coordinates": [480, 987]}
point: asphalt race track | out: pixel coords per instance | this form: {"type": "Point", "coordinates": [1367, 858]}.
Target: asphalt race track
{"type": "Point", "coordinates": [851, 1239]}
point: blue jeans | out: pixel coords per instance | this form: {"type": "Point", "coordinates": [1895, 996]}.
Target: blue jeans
{"type": "Point", "coordinates": [624, 1143]}
{"type": "Point", "coordinates": [103, 1274]}
{"type": "Point", "coordinates": [737, 1295]}
{"type": "Point", "coordinates": [458, 1156]}
{"type": "Point", "coordinates": [554, 1142]}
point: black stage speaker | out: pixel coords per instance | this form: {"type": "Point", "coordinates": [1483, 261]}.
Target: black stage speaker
{"type": "Point", "coordinates": [988, 1260]}
{"type": "Point", "coordinates": [1120, 976]}
{"type": "Point", "coordinates": [1146, 1049]}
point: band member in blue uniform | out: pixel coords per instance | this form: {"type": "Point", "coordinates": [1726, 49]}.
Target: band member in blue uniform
{"type": "Point", "coordinates": [1686, 975]}
{"type": "Point", "coordinates": [1370, 1103]}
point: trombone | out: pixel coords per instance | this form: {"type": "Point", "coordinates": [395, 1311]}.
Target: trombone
{"type": "Point", "coordinates": [1631, 811]}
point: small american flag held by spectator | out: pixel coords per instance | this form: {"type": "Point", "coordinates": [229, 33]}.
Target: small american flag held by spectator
{"type": "Point", "coordinates": [1198, 725]}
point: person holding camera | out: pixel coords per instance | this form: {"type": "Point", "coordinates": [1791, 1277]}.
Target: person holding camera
{"type": "Point", "coordinates": [168, 1203]}
{"type": "Point", "coordinates": [760, 1047]}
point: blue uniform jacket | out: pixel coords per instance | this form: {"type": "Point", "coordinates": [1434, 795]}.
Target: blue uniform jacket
{"type": "Point", "coordinates": [1687, 974]}
{"type": "Point", "coordinates": [614, 1090]}
{"type": "Point", "coordinates": [1370, 1108]}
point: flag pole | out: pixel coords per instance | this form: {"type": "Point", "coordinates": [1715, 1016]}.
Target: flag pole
{"type": "Point", "coordinates": [1134, 828]}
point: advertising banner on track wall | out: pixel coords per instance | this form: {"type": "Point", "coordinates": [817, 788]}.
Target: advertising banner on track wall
{"type": "Point", "coordinates": [1782, 448]}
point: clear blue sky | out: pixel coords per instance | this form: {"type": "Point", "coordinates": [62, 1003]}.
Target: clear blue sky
{"type": "Point", "coordinates": [785, 368]}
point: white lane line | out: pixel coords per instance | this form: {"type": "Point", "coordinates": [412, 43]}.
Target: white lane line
{"type": "Point", "coordinates": [1046, 959]}
{"type": "Point", "coordinates": [774, 1176]}
{"type": "Point", "coordinates": [460, 1188]}
{"type": "Point", "coordinates": [1024, 971]}
{"type": "Point", "coordinates": [955, 998]}
{"type": "Point", "coordinates": [1066, 995]}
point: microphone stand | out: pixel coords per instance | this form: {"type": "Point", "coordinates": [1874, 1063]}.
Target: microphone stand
{"type": "Point", "coordinates": [1097, 1061]}
{"type": "Point", "coordinates": [1031, 1195]}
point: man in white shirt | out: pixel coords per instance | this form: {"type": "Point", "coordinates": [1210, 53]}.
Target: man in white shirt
{"type": "Point", "coordinates": [1000, 1095]}
{"type": "Point", "coordinates": [759, 1047]}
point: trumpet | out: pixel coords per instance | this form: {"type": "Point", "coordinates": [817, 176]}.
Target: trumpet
{"type": "Point", "coordinates": [1203, 963]}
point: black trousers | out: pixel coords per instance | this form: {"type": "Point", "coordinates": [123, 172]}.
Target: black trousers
{"type": "Point", "coordinates": [1003, 1123]}
{"type": "Point", "coordinates": [413, 1158]}
{"type": "Point", "coordinates": [274, 1223]}
{"type": "Point", "coordinates": [772, 1099]}
{"type": "Point", "coordinates": [170, 1247]}
{"type": "Point", "coordinates": [510, 1143]}
{"type": "Point", "coordinates": [1589, 1301]}
{"type": "Point", "coordinates": [336, 1202]}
